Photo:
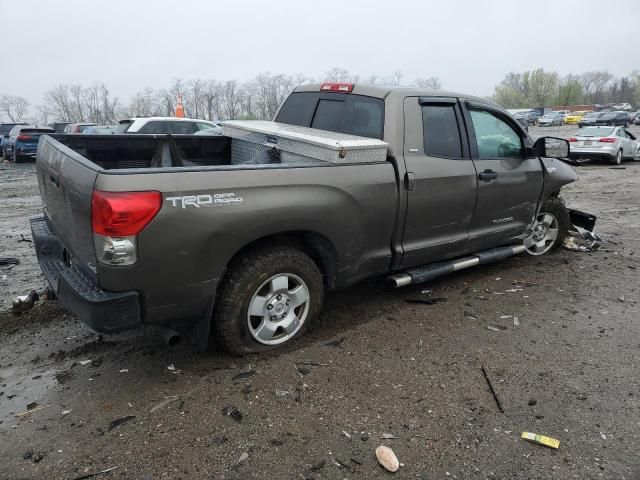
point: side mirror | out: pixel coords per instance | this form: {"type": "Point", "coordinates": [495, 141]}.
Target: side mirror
{"type": "Point", "coordinates": [551, 147]}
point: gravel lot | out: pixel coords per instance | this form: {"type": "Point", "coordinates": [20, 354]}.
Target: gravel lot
{"type": "Point", "coordinates": [376, 364]}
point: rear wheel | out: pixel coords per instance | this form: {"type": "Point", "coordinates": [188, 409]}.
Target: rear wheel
{"type": "Point", "coordinates": [549, 229]}
{"type": "Point", "coordinates": [617, 159]}
{"type": "Point", "coordinates": [271, 296]}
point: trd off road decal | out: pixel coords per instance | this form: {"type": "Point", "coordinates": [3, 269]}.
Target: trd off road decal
{"type": "Point", "coordinates": [206, 200]}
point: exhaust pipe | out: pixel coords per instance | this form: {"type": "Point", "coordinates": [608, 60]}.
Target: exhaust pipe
{"type": "Point", "coordinates": [168, 335]}
{"type": "Point", "coordinates": [434, 270]}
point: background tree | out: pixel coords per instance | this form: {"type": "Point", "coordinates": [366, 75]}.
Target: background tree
{"type": "Point", "coordinates": [15, 108]}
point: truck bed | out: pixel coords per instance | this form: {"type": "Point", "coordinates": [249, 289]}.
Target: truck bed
{"type": "Point", "coordinates": [113, 152]}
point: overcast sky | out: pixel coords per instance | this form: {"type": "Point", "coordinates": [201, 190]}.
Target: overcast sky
{"type": "Point", "coordinates": [469, 44]}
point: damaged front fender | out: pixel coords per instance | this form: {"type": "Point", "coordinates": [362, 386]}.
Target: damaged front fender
{"type": "Point", "coordinates": [556, 175]}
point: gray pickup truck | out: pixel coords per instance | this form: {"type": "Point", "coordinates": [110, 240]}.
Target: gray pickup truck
{"type": "Point", "coordinates": [169, 231]}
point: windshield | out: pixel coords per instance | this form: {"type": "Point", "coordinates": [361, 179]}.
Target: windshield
{"type": "Point", "coordinates": [595, 132]}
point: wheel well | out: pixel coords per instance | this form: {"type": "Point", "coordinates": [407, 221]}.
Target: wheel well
{"type": "Point", "coordinates": [317, 246]}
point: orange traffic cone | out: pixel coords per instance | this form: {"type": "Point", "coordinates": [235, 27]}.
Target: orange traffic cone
{"type": "Point", "coordinates": [180, 108]}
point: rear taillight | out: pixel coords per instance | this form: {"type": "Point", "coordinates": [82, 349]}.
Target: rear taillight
{"type": "Point", "coordinates": [607, 140]}
{"type": "Point", "coordinates": [24, 138]}
{"type": "Point", "coordinates": [573, 139]}
{"type": "Point", "coordinates": [116, 219]}
{"type": "Point", "coordinates": [337, 87]}
{"type": "Point", "coordinates": [120, 214]}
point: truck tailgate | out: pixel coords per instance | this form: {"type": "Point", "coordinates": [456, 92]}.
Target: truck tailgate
{"type": "Point", "coordinates": [66, 181]}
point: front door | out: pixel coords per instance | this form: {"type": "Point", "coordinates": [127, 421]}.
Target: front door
{"type": "Point", "coordinates": [509, 183]}
{"type": "Point", "coordinates": [441, 180]}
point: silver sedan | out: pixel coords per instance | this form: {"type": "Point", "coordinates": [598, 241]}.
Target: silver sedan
{"type": "Point", "coordinates": [611, 143]}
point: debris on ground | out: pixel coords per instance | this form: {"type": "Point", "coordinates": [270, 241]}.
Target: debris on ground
{"type": "Point", "coordinates": [243, 458]}
{"type": "Point", "coordinates": [24, 302]}
{"type": "Point", "coordinates": [164, 403]}
{"type": "Point", "coordinates": [233, 412]}
{"type": "Point", "coordinates": [119, 421]}
{"type": "Point", "coordinates": [9, 261]}
{"type": "Point", "coordinates": [388, 436]}
{"type": "Point", "coordinates": [493, 392]}
{"type": "Point", "coordinates": [496, 329]}
{"type": "Point", "coordinates": [65, 412]}
{"type": "Point", "coordinates": [541, 439]}
{"type": "Point", "coordinates": [24, 239]}
{"type": "Point", "coordinates": [243, 375]}
{"type": "Point", "coordinates": [387, 458]}
{"type": "Point", "coordinates": [426, 301]}
{"type": "Point", "coordinates": [31, 410]}
{"type": "Point", "coordinates": [581, 240]}
{"type": "Point", "coordinates": [91, 475]}
{"type": "Point", "coordinates": [35, 457]}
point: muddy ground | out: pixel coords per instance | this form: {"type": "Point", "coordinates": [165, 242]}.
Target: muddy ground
{"type": "Point", "coordinates": [376, 364]}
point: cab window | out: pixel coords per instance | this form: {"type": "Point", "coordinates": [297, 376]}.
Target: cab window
{"type": "Point", "coordinates": [441, 132]}
{"type": "Point", "coordinates": [495, 138]}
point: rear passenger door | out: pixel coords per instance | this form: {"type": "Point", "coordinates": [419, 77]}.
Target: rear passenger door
{"type": "Point", "coordinates": [509, 183]}
{"type": "Point", "coordinates": [441, 180]}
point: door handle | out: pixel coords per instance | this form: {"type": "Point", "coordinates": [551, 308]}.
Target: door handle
{"type": "Point", "coordinates": [488, 175]}
{"type": "Point", "coordinates": [409, 181]}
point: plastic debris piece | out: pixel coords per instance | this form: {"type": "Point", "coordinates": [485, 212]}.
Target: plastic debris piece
{"type": "Point", "coordinates": [244, 457]}
{"type": "Point", "coordinates": [492, 328]}
{"type": "Point", "coordinates": [31, 410]}
{"type": "Point", "coordinates": [387, 458]}
{"type": "Point", "coordinates": [233, 412]}
{"type": "Point", "coordinates": [243, 375]}
{"type": "Point", "coordinates": [65, 412]}
{"type": "Point", "coordinates": [8, 261]}
{"type": "Point", "coordinates": [24, 303]}
{"type": "Point", "coordinates": [171, 368]}
{"type": "Point", "coordinates": [91, 475]}
{"type": "Point", "coordinates": [541, 439]}
{"type": "Point", "coordinates": [493, 392]}
{"type": "Point", "coordinates": [516, 322]}
{"type": "Point", "coordinates": [164, 403]}
{"type": "Point", "coordinates": [389, 436]}
{"type": "Point", "coordinates": [119, 421]}
{"type": "Point", "coordinates": [346, 434]}
{"type": "Point", "coordinates": [84, 362]}
{"type": "Point", "coordinates": [124, 370]}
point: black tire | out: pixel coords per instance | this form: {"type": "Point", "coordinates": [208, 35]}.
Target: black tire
{"type": "Point", "coordinates": [617, 158]}
{"type": "Point", "coordinates": [245, 276]}
{"type": "Point", "coordinates": [555, 206]}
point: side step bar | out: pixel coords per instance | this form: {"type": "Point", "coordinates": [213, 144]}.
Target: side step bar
{"type": "Point", "coordinates": [434, 270]}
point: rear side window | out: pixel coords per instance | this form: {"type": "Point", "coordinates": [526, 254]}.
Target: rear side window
{"type": "Point", "coordinates": [441, 131]}
{"type": "Point", "coordinates": [157, 127]}
{"type": "Point", "coordinates": [336, 112]}
{"type": "Point", "coordinates": [182, 128]}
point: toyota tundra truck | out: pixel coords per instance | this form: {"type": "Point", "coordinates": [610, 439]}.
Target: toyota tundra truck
{"type": "Point", "coordinates": [169, 231]}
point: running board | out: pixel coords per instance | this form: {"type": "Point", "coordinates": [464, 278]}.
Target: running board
{"type": "Point", "coordinates": [434, 270]}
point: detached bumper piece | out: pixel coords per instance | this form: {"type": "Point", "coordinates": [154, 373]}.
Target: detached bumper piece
{"type": "Point", "coordinates": [429, 272]}
{"type": "Point", "coordinates": [103, 311]}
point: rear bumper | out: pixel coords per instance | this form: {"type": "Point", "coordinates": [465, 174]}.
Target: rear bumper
{"type": "Point", "coordinates": [607, 152]}
{"type": "Point", "coordinates": [101, 310]}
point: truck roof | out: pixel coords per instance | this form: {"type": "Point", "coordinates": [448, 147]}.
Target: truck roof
{"type": "Point", "coordinates": [384, 91]}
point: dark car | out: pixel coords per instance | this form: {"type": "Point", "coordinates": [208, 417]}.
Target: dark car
{"type": "Point", "coordinates": [5, 128]}
{"type": "Point", "coordinates": [23, 141]}
{"type": "Point", "coordinates": [522, 120]}
{"type": "Point", "coordinates": [614, 119]}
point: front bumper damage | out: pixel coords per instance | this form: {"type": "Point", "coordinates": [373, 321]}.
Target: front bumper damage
{"type": "Point", "coordinates": [581, 235]}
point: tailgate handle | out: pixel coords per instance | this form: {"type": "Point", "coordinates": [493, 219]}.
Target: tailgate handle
{"type": "Point", "coordinates": [55, 178]}
{"type": "Point", "coordinates": [488, 175]}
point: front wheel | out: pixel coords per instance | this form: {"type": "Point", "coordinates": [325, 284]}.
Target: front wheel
{"type": "Point", "coordinates": [549, 229]}
{"type": "Point", "coordinates": [271, 296]}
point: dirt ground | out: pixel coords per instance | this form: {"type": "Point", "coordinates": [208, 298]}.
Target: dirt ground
{"type": "Point", "coordinates": [376, 364]}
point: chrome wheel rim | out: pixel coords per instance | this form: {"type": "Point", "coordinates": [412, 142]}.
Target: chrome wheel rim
{"type": "Point", "coordinates": [619, 157]}
{"type": "Point", "coordinates": [543, 234]}
{"type": "Point", "coordinates": [278, 309]}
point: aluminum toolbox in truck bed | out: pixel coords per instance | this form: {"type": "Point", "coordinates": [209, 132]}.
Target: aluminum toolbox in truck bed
{"type": "Point", "coordinates": [258, 141]}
